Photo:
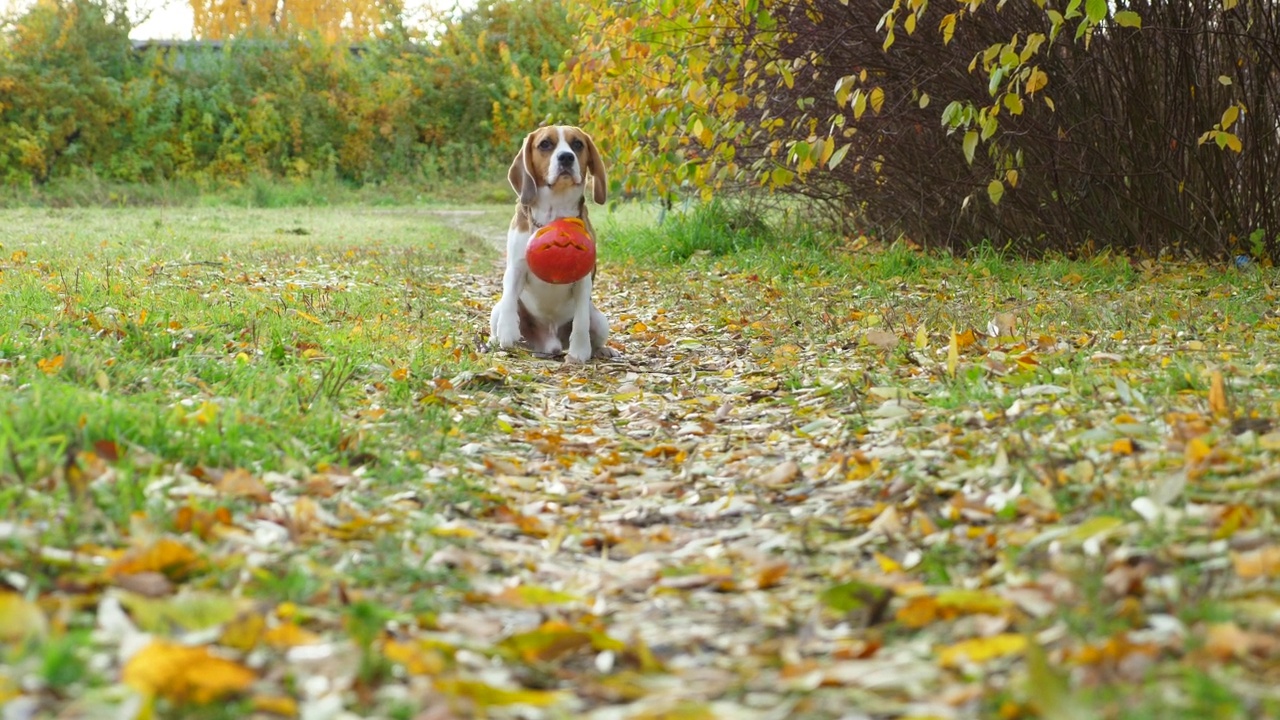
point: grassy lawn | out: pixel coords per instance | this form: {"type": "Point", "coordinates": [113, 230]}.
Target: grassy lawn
{"type": "Point", "coordinates": [259, 463]}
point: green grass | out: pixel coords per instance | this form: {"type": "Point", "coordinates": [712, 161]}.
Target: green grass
{"type": "Point", "coordinates": [147, 349]}
{"type": "Point", "coordinates": [228, 337]}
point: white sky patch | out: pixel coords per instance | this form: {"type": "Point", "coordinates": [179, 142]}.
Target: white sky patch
{"type": "Point", "coordinates": [172, 19]}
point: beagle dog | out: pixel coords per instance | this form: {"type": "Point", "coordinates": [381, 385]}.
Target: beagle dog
{"type": "Point", "coordinates": [549, 174]}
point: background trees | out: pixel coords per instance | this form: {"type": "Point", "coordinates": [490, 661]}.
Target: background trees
{"type": "Point", "coordinates": [76, 98]}
{"type": "Point", "coordinates": [1145, 125]}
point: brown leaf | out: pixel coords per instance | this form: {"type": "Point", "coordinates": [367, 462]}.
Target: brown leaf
{"type": "Point", "coordinates": [147, 584]}
{"type": "Point", "coordinates": [240, 483]}
{"type": "Point", "coordinates": [781, 474]}
{"type": "Point", "coordinates": [882, 339]}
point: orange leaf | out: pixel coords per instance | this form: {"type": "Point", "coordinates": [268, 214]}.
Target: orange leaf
{"type": "Point", "coordinates": [1263, 562]}
{"type": "Point", "coordinates": [167, 556]}
{"type": "Point", "coordinates": [918, 612]}
{"type": "Point", "coordinates": [185, 674]}
{"type": "Point", "coordinates": [50, 366]}
{"type": "Point", "coordinates": [1123, 446]}
{"type": "Point", "coordinates": [1218, 396]}
{"type": "Point", "coordinates": [771, 575]}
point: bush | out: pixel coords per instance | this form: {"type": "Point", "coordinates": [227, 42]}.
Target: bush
{"type": "Point", "coordinates": [77, 100]}
{"type": "Point", "coordinates": [1147, 126]}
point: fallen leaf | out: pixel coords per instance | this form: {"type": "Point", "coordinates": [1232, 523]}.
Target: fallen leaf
{"type": "Point", "coordinates": [20, 620]}
{"type": "Point", "coordinates": [166, 556]}
{"type": "Point", "coordinates": [981, 650]}
{"type": "Point", "coordinates": [781, 474]}
{"type": "Point", "coordinates": [1262, 562]}
{"type": "Point", "coordinates": [185, 674]}
{"type": "Point", "coordinates": [882, 339]}
{"type": "Point", "coordinates": [1218, 396]}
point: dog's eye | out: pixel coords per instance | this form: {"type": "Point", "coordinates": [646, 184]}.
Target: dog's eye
{"type": "Point", "coordinates": [576, 144]}
{"type": "Point", "coordinates": [545, 145]}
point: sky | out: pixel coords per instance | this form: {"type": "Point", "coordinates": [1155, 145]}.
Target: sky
{"type": "Point", "coordinates": [165, 20]}
{"type": "Point", "coordinates": [171, 19]}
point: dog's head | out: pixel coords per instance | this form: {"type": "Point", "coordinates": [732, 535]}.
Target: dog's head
{"type": "Point", "coordinates": [559, 157]}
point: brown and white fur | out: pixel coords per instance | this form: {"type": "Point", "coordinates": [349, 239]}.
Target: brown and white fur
{"type": "Point", "coordinates": [549, 174]}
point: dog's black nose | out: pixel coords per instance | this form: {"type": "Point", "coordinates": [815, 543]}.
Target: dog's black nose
{"type": "Point", "coordinates": [566, 158]}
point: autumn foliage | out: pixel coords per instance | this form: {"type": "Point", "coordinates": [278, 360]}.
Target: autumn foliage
{"type": "Point", "coordinates": [1142, 125]}
{"type": "Point", "coordinates": [76, 99]}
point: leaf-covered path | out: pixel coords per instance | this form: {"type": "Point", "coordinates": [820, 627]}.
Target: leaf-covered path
{"type": "Point", "coordinates": [742, 519]}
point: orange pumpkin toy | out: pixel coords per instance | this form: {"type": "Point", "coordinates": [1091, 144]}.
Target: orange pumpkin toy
{"type": "Point", "coordinates": [561, 252]}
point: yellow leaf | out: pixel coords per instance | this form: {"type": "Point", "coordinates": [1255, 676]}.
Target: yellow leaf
{"type": "Point", "coordinates": [290, 635]}
{"type": "Point", "coordinates": [971, 602]}
{"type": "Point", "coordinates": [995, 191]}
{"type": "Point", "coordinates": [185, 674]}
{"type": "Point", "coordinates": [1037, 80]}
{"type": "Point", "coordinates": [484, 695]}
{"type": "Point", "coordinates": [20, 620]}
{"type": "Point", "coordinates": [308, 317]}
{"type": "Point", "coordinates": [1123, 446]}
{"type": "Point", "coordinates": [922, 338]}
{"type": "Point", "coordinates": [1229, 116]}
{"type": "Point", "coordinates": [281, 705]}
{"type": "Point", "coordinates": [244, 632]}
{"type": "Point", "coordinates": [980, 650]}
{"type": "Point", "coordinates": [953, 354]}
{"type": "Point", "coordinates": [877, 99]}
{"type": "Point", "coordinates": [1127, 18]}
{"type": "Point", "coordinates": [887, 564]}
{"type": "Point", "coordinates": [1197, 451]}
{"type": "Point", "coordinates": [417, 657]}
{"type": "Point", "coordinates": [1218, 396]}
{"type": "Point", "coordinates": [947, 27]}
{"type": "Point", "coordinates": [1094, 527]}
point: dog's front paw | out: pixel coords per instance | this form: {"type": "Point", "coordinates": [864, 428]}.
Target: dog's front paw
{"type": "Point", "coordinates": [605, 353]}
{"type": "Point", "coordinates": [505, 331]}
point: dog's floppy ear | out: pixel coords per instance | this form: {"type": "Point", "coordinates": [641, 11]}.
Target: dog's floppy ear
{"type": "Point", "coordinates": [521, 173]}
{"type": "Point", "coordinates": [595, 166]}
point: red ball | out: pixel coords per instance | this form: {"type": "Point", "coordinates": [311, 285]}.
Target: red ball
{"type": "Point", "coordinates": [561, 252]}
